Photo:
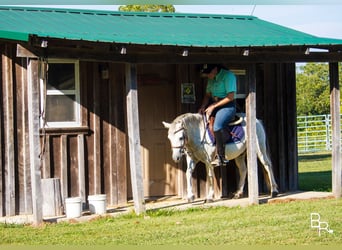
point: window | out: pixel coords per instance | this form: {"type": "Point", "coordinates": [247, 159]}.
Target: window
{"type": "Point", "coordinates": [62, 99]}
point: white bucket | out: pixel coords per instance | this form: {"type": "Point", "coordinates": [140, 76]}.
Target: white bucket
{"type": "Point", "coordinates": [73, 207]}
{"type": "Point", "coordinates": [97, 204]}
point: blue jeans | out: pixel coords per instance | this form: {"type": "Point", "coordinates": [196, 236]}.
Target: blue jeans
{"type": "Point", "coordinates": [224, 115]}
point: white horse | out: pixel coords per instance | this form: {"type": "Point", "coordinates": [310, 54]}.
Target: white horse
{"type": "Point", "coordinates": [188, 135]}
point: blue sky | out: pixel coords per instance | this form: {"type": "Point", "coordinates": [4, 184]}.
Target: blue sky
{"type": "Point", "coordinates": [319, 20]}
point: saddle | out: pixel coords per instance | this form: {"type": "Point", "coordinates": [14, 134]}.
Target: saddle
{"type": "Point", "coordinates": [234, 130]}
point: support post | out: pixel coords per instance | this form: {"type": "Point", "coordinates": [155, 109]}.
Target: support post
{"type": "Point", "coordinates": [34, 142]}
{"type": "Point", "coordinates": [336, 129]}
{"type": "Point", "coordinates": [134, 138]}
{"type": "Point", "coordinates": [253, 187]}
{"type": "Point", "coordinates": [9, 186]}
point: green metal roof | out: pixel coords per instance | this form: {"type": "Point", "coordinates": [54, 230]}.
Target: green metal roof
{"type": "Point", "coordinates": [175, 29]}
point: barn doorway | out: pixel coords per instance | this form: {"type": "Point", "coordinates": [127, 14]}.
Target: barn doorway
{"type": "Point", "coordinates": [156, 97]}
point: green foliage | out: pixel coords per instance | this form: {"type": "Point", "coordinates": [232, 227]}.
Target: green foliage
{"type": "Point", "coordinates": [313, 89]}
{"type": "Point", "coordinates": [148, 8]}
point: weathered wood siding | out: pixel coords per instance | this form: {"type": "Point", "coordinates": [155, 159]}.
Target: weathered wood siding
{"type": "Point", "coordinates": [88, 160]}
{"type": "Point", "coordinates": [276, 107]}
{"type": "Point", "coordinates": [92, 158]}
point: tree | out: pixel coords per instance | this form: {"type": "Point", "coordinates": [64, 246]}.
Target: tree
{"type": "Point", "coordinates": [313, 89]}
{"type": "Point", "coordinates": [147, 8]}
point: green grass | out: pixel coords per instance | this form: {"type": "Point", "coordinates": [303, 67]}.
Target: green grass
{"type": "Point", "coordinates": [272, 224]}
{"type": "Point", "coordinates": [315, 172]}
{"type": "Point", "coordinates": [267, 224]}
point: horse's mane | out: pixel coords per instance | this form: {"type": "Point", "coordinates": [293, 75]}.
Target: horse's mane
{"type": "Point", "coordinates": [188, 118]}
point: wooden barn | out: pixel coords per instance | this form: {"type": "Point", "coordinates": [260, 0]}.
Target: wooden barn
{"type": "Point", "coordinates": [84, 94]}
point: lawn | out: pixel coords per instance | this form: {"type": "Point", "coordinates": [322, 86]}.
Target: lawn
{"type": "Point", "coordinates": [271, 224]}
{"type": "Point", "coordinates": [315, 172]}
{"type": "Point", "coordinates": [285, 223]}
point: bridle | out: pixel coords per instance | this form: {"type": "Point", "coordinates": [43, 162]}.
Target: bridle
{"type": "Point", "coordinates": [182, 146]}
{"type": "Point", "coordinates": [182, 128]}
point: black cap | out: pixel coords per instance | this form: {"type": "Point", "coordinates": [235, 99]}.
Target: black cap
{"type": "Point", "coordinates": [207, 68]}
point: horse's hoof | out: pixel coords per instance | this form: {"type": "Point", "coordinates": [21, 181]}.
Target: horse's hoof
{"type": "Point", "coordinates": [274, 194]}
{"type": "Point", "coordinates": [191, 199]}
{"type": "Point", "coordinates": [209, 201]}
{"type": "Point", "coordinates": [236, 196]}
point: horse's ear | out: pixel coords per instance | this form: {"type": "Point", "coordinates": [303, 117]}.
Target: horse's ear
{"type": "Point", "coordinates": [166, 125]}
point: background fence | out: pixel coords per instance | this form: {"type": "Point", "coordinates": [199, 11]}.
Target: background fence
{"type": "Point", "coordinates": [314, 133]}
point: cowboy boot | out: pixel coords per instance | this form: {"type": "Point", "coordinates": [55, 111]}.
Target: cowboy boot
{"type": "Point", "coordinates": [220, 137]}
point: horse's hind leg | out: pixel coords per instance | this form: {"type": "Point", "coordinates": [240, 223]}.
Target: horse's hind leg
{"type": "Point", "coordinates": [266, 162]}
{"type": "Point", "coordinates": [241, 165]}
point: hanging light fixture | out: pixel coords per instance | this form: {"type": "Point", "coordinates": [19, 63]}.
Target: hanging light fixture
{"type": "Point", "coordinates": [185, 52]}
{"type": "Point", "coordinates": [245, 52]}
{"type": "Point", "coordinates": [123, 50]}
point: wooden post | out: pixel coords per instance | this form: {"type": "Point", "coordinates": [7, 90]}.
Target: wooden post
{"type": "Point", "coordinates": [336, 129]}
{"type": "Point", "coordinates": [34, 144]}
{"type": "Point", "coordinates": [134, 138]}
{"type": "Point", "coordinates": [253, 187]}
{"type": "Point", "coordinates": [8, 147]}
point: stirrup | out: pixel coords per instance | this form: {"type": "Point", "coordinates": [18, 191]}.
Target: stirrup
{"type": "Point", "coordinates": [219, 161]}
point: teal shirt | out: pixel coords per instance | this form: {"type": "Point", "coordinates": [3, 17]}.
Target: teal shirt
{"type": "Point", "coordinates": [223, 83]}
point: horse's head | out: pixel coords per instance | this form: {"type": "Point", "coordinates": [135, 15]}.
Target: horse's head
{"type": "Point", "coordinates": [177, 137]}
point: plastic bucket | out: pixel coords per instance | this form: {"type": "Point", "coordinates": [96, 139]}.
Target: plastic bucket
{"type": "Point", "coordinates": [73, 207]}
{"type": "Point", "coordinates": [97, 203]}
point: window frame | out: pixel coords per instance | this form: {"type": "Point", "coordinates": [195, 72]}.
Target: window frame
{"type": "Point", "coordinates": [45, 93]}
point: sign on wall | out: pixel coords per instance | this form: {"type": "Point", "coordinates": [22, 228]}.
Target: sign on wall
{"type": "Point", "coordinates": [188, 93]}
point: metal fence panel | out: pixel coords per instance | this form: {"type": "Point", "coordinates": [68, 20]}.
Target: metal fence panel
{"type": "Point", "coordinates": [314, 133]}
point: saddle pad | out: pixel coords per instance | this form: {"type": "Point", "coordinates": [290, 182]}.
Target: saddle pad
{"type": "Point", "coordinates": [236, 134]}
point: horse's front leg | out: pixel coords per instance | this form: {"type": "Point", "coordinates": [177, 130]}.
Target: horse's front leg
{"type": "Point", "coordinates": [189, 170]}
{"type": "Point", "coordinates": [210, 181]}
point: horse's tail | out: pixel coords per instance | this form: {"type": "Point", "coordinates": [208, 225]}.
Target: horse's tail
{"type": "Point", "coordinates": [263, 149]}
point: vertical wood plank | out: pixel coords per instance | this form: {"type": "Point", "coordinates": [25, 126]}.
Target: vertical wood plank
{"type": "Point", "coordinates": [253, 187]}
{"type": "Point", "coordinates": [2, 198]}
{"type": "Point", "coordinates": [46, 168]}
{"type": "Point", "coordinates": [81, 169]}
{"type": "Point", "coordinates": [24, 177]}
{"type": "Point", "coordinates": [97, 132]}
{"type": "Point", "coordinates": [8, 115]}
{"type": "Point", "coordinates": [134, 138]}
{"type": "Point", "coordinates": [64, 165]}
{"type": "Point", "coordinates": [120, 159]}
{"type": "Point", "coordinates": [33, 117]}
{"type": "Point", "coordinates": [282, 162]}
{"type": "Point", "coordinates": [336, 129]}
{"type": "Point", "coordinates": [290, 103]}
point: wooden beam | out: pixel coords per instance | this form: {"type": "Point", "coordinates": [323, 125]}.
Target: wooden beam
{"type": "Point", "coordinates": [23, 52]}
{"type": "Point", "coordinates": [34, 143]}
{"type": "Point", "coordinates": [134, 138]}
{"type": "Point", "coordinates": [252, 164]}
{"type": "Point", "coordinates": [336, 129]}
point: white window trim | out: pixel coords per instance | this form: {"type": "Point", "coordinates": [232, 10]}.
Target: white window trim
{"type": "Point", "coordinates": [76, 123]}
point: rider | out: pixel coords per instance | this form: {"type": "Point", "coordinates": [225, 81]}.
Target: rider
{"type": "Point", "coordinates": [220, 90]}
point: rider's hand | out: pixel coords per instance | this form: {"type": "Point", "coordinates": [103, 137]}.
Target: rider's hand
{"type": "Point", "coordinates": [210, 109]}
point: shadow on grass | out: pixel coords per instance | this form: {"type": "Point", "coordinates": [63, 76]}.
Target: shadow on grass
{"type": "Point", "coordinates": [315, 181]}
{"type": "Point", "coordinates": [314, 157]}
